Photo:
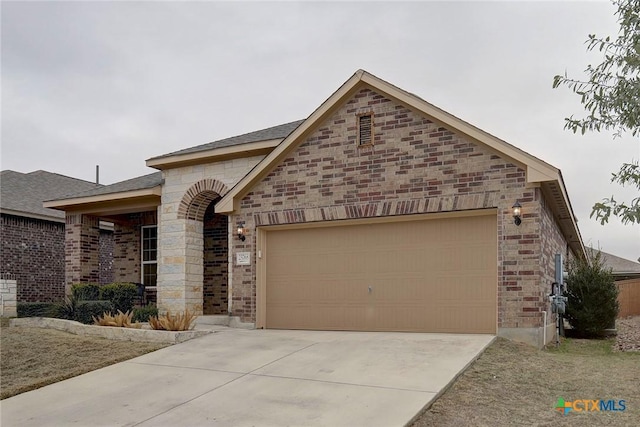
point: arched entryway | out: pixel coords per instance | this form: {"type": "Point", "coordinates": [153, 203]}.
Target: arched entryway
{"type": "Point", "coordinates": [206, 247]}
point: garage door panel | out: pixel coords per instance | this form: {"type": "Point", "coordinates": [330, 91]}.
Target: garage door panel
{"type": "Point", "coordinates": [426, 275]}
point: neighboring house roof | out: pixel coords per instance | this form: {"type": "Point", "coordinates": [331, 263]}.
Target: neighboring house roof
{"type": "Point", "coordinates": [22, 194]}
{"type": "Point", "coordinates": [537, 171]}
{"type": "Point", "coordinates": [135, 194]}
{"type": "Point", "coordinates": [619, 266]}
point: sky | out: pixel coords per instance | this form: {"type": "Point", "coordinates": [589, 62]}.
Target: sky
{"type": "Point", "coordinates": [115, 83]}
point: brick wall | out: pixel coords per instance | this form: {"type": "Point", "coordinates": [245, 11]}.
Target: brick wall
{"type": "Point", "coordinates": [33, 252]}
{"type": "Point", "coordinates": [106, 256]}
{"type": "Point", "coordinates": [414, 166]}
{"type": "Point", "coordinates": [82, 250]}
{"type": "Point", "coordinates": [126, 245]}
{"type": "Point", "coordinates": [553, 242]}
{"type": "Point", "coordinates": [215, 262]}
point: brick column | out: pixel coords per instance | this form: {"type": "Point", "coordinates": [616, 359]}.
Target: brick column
{"type": "Point", "coordinates": [82, 250]}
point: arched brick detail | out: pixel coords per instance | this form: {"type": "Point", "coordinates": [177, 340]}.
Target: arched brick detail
{"type": "Point", "coordinates": [198, 197]}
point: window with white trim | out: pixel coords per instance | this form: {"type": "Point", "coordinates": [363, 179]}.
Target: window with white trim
{"type": "Point", "coordinates": [149, 255]}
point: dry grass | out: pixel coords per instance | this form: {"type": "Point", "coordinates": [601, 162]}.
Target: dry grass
{"type": "Point", "coordinates": [33, 357]}
{"type": "Point", "coordinates": [515, 384]}
{"type": "Point", "coordinates": [120, 320]}
{"type": "Point", "coordinates": [178, 322]}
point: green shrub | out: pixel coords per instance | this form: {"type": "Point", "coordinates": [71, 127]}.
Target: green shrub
{"type": "Point", "coordinates": [592, 304]}
{"type": "Point", "coordinates": [121, 295]}
{"type": "Point", "coordinates": [36, 309]}
{"type": "Point", "coordinates": [142, 314]}
{"type": "Point", "coordinates": [66, 309]}
{"type": "Point", "coordinates": [85, 291]}
{"type": "Point", "coordinates": [86, 310]}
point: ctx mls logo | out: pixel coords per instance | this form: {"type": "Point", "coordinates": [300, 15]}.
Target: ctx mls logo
{"type": "Point", "coordinates": [590, 405]}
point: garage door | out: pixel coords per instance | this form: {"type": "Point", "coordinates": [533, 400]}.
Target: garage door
{"type": "Point", "coordinates": [428, 275]}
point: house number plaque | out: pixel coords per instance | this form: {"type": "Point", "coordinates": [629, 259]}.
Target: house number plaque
{"type": "Point", "coordinates": [243, 258]}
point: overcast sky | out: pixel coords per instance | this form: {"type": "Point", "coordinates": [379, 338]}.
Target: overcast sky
{"type": "Point", "coordinates": [115, 83]}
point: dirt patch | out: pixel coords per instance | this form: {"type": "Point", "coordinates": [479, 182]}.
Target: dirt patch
{"type": "Point", "coordinates": [33, 357]}
{"type": "Point", "coordinates": [628, 338]}
{"type": "Point", "coordinates": [515, 384]}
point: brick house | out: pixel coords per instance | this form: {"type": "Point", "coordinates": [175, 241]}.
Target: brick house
{"type": "Point", "coordinates": [377, 212]}
{"type": "Point", "coordinates": [33, 237]}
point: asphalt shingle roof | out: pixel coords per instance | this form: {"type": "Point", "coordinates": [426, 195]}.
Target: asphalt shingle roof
{"type": "Point", "coordinates": [618, 265]}
{"type": "Point", "coordinates": [275, 132]}
{"type": "Point", "coordinates": [25, 192]}
{"type": "Point", "coordinates": [138, 183]}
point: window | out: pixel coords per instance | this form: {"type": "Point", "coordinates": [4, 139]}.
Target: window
{"type": "Point", "coordinates": [365, 129]}
{"type": "Point", "coordinates": [150, 255]}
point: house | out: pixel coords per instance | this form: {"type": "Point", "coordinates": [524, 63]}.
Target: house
{"type": "Point", "coordinates": [621, 268]}
{"type": "Point", "coordinates": [378, 212]}
{"type": "Point", "coordinates": [33, 237]}
{"type": "Point", "coordinates": [626, 273]}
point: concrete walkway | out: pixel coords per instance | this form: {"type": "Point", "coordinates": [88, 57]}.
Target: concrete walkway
{"type": "Point", "coordinates": [237, 377]}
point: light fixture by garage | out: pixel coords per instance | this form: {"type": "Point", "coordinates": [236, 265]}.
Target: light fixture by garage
{"type": "Point", "coordinates": [241, 231]}
{"type": "Point", "coordinates": [517, 213]}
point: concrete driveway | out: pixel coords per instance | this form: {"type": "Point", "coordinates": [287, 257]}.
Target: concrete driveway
{"type": "Point", "coordinates": [259, 378]}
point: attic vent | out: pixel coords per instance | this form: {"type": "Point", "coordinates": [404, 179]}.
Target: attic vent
{"type": "Point", "coordinates": [365, 129]}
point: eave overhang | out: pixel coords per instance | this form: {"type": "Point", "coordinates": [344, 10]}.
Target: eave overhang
{"type": "Point", "coordinates": [112, 203]}
{"type": "Point", "coordinates": [214, 155]}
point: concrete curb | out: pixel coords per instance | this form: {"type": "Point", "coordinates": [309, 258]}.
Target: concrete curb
{"type": "Point", "coordinates": [109, 332]}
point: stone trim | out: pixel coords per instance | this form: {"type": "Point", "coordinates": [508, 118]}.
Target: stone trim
{"type": "Point", "coordinates": [198, 197]}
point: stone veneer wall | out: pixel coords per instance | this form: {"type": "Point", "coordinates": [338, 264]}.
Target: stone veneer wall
{"type": "Point", "coordinates": [181, 244]}
{"type": "Point", "coordinates": [8, 296]}
{"type": "Point", "coordinates": [215, 262]}
{"type": "Point", "coordinates": [415, 166]}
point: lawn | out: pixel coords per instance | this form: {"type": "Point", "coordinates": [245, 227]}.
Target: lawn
{"type": "Point", "coordinates": [32, 357]}
{"type": "Point", "coordinates": [515, 384]}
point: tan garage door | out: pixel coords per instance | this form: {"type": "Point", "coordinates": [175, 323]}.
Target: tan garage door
{"type": "Point", "coordinates": [433, 275]}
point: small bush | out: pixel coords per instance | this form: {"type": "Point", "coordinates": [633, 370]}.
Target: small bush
{"type": "Point", "coordinates": [121, 295]}
{"type": "Point", "coordinates": [85, 291]}
{"type": "Point", "coordinates": [37, 309]}
{"type": "Point", "coordinates": [179, 322]}
{"type": "Point", "coordinates": [120, 320]}
{"type": "Point", "coordinates": [142, 314]}
{"type": "Point", "coordinates": [87, 310]}
{"type": "Point", "coordinates": [66, 309]}
{"type": "Point", "coordinates": [592, 304]}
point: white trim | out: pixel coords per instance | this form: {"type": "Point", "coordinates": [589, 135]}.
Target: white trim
{"type": "Point", "coordinates": [142, 261]}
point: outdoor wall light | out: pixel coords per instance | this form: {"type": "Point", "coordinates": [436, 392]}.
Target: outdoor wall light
{"type": "Point", "coordinates": [241, 231]}
{"type": "Point", "coordinates": [517, 212]}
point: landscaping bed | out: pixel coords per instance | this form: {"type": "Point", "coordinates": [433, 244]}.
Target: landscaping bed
{"type": "Point", "coordinates": [113, 333]}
